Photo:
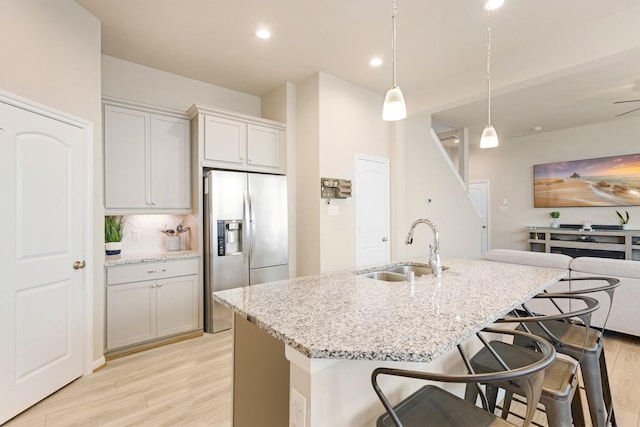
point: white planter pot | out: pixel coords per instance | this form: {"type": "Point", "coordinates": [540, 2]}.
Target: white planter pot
{"type": "Point", "coordinates": [626, 227]}
{"type": "Point", "coordinates": [113, 248]}
{"type": "Point", "coordinates": [555, 224]}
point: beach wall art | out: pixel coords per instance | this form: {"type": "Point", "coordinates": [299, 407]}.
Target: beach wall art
{"type": "Point", "coordinates": [604, 181]}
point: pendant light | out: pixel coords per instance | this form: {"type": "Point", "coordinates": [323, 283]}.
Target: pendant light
{"type": "Point", "coordinates": [394, 108]}
{"type": "Point", "coordinates": [489, 137]}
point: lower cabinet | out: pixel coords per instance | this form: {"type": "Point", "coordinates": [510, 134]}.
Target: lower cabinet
{"type": "Point", "coordinates": [146, 310]}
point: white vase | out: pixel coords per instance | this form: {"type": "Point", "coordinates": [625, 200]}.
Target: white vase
{"type": "Point", "coordinates": [555, 224]}
{"type": "Point", "coordinates": [113, 248]}
{"type": "Point", "coordinates": [626, 227]}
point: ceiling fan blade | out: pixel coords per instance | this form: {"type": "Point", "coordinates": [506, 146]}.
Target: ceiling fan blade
{"type": "Point", "coordinates": [624, 102]}
{"type": "Point", "coordinates": [630, 111]}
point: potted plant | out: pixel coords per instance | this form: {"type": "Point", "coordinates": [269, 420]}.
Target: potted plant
{"type": "Point", "coordinates": [623, 219]}
{"type": "Point", "coordinates": [555, 215]}
{"type": "Point", "coordinates": [113, 233]}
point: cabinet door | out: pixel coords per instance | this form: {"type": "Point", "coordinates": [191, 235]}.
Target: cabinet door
{"type": "Point", "coordinates": [263, 146]}
{"type": "Point", "coordinates": [177, 305]}
{"type": "Point", "coordinates": [225, 140]}
{"type": "Point", "coordinates": [126, 158]}
{"type": "Point", "coordinates": [131, 313]}
{"type": "Point", "coordinates": [169, 170]}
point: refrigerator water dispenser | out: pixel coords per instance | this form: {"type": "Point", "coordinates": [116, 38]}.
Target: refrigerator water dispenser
{"type": "Point", "coordinates": [229, 237]}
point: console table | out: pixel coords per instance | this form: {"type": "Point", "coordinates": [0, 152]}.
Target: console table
{"type": "Point", "coordinates": [603, 243]}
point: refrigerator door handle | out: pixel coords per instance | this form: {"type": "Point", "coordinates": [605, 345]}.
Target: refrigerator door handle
{"type": "Point", "coordinates": [252, 220]}
{"type": "Point", "coordinates": [246, 234]}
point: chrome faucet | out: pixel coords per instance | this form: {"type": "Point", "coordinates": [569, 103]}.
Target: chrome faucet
{"type": "Point", "coordinates": [434, 250]}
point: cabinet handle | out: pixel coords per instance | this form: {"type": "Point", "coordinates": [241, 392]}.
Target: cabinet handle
{"type": "Point", "coordinates": [159, 285]}
{"type": "Point", "coordinates": [153, 203]}
{"type": "Point", "coordinates": [156, 271]}
{"type": "Point", "coordinates": [241, 158]}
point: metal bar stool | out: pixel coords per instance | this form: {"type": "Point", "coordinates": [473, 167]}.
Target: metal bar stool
{"type": "Point", "coordinates": [431, 406]}
{"type": "Point", "coordinates": [591, 353]}
{"type": "Point", "coordinates": [559, 397]}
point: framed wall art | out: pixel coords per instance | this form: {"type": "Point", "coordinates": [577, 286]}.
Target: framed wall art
{"type": "Point", "coordinates": [604, 181]}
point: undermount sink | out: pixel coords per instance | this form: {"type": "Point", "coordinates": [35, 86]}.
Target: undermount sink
{"type": "Point", "coordinates": [385, 276]}
{"type": "Point", "coordinates": [398, 273]}
{"type": "Point", "coordinates": [417, 270]}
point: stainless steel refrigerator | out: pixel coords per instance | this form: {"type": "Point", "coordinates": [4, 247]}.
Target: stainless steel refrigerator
{"type": "Point", "coordinates": [245, 236]}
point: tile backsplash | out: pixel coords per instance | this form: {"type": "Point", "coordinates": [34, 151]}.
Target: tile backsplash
{"type": "Point", "coordinates": [142, 232]}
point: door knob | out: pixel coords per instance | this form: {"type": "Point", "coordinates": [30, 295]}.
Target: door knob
{"type": "Point", "coordinates": [79, 265]}
{"type": "Point", "coordinates": [384, 239]}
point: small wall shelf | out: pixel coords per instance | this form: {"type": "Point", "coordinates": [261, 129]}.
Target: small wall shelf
{"type": "Point", "coordinates": [619, 244]}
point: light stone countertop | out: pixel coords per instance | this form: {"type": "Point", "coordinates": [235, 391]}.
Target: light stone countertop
{"type": "Point", "coordinates": [148, 256]}
{"type": "Point", "coordinates": [341, 316]}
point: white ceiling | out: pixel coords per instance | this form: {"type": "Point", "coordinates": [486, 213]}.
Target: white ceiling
{"type": "Point", "coordinates": [574, 100]}
{"type": "Point", "coordinates": [441, 52]}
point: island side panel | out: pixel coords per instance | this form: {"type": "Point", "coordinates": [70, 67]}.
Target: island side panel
{"type": "Point", "coordinates": [339, 392]}
{"type": "Point", "coordinates": [260, 377]}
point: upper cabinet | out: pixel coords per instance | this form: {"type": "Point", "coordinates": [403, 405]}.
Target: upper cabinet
{"type": "Point", "coordinates": [146, 160]}
{"type": "Point", "coordinates": [235, 141]}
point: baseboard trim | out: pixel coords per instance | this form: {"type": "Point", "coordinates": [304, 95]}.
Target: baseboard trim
{"type": "Point", "coordinates": [99, 364]}
{"type": "Point", "coordinates": [148, 345]}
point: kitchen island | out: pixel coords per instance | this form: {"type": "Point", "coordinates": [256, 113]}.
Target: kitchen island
{"type": "Point", "coordinates": [307, 346]}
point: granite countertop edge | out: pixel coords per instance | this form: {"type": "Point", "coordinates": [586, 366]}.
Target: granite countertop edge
{"type": "Point", "coordinates": [148, 256]}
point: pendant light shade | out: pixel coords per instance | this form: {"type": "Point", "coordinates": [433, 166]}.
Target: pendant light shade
{"type": "Point", "coordinates": [489, 138]}
{"type": "Point", "coordinates": [394, 108]}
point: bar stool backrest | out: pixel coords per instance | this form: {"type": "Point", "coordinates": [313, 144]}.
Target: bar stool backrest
{"type": "Point", "coordinates": [608, 287]}
{"type": "Point", "coordinates": [528, 377]}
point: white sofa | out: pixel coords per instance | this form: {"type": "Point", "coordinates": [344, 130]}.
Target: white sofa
{"type": "Point", "coordinates": [625, 313]}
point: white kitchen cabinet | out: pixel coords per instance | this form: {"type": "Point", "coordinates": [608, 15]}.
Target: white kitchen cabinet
{"type": "Point", "coordinates": [225, 140]}
{"type": "Point", "coordinates": [238, 142]}
{"type": "Point", "coordinates": [131, 314]}
{"type": "Point", "coordinates": [146, 161]}
{"type": "Point", "coordinates": [150, 301]}
{"type": "Point", "coordinates": [264, 146]}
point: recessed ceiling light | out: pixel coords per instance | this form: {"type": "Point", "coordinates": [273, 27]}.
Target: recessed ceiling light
{"type": "Point", "coordinates": [263, 34]}
{"type": "Point", "coordinates": [536, 128]}
{"type": "Point", "coordinates": [456, 141]}
{"type": "Point", "coordinates": [375, 62]}
{"type": "Point", "coordinates": [492, 4]}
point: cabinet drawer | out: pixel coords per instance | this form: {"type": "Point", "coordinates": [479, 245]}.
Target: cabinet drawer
{"type": "Point", "coordinates": [150, 270]}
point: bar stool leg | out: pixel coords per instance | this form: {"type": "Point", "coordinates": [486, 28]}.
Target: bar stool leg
{"type": "Point", "coordinates": [558, 415]}
{"type": "Point", "coordinates": [608, 399]}
{"type": "Point", "coordinates": [590, 367]}
{"type": "Point", "coordinates": [577, 411]}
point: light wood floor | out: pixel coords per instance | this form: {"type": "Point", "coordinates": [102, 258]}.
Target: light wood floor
{"type": "Point", "coordinates": [182, 384]}
{"type": "Point", "coordinates": [189, 384]}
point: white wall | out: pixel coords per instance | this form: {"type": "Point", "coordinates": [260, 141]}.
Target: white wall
{"type": "Point", "coordinates": [336, 121]}
{"type": "Point", "coordinates": [350, 124]}
{"type": "Point", "coordinates": [51, 55]}
{"type": "Point", "coordinates": [510, 170]}
{"type": "Point", "coordinates": [430, 174]}
{"type": "Point", "coordinates": [134, 82]}
{"type": "Point", "coordinates": [308, 176]}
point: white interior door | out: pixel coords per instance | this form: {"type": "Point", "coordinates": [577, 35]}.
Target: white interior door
{"type": "Point", "coordinates": [372, 210]}
{"type": "Point", "coordinates": [479, 193]}
{"type": "Point", "coordinates": [41, 293]}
